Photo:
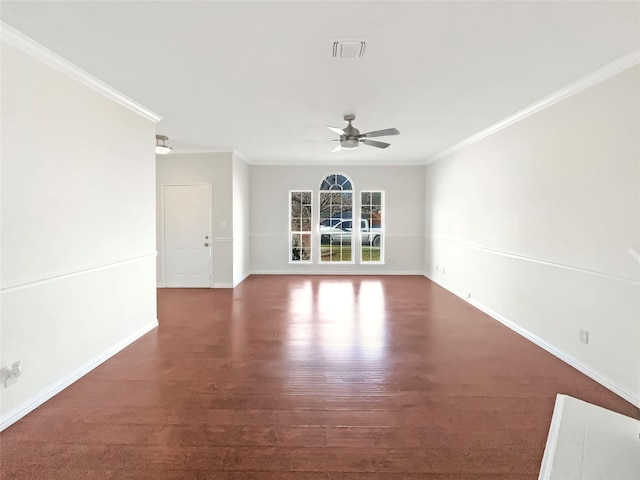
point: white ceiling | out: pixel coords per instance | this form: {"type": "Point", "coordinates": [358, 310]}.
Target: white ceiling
{"type": "Point", "coordinates": [258, 77]}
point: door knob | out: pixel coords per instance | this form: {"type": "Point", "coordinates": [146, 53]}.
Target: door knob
{"type": "Point", "coordinates": [206, 244]}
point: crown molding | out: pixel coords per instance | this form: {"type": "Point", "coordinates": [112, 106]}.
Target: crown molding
{"type": "Point", "coordinates": [617, 66]}
{"type": "Point", "coordinates": [241, 157]}
{"type": "Point", "coordinates": [29, 46]}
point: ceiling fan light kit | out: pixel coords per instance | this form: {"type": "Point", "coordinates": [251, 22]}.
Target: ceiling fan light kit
{"type": "Point", "coordinates": [351, 138]}
{"type": "Point", "coordinates": [161, 147]}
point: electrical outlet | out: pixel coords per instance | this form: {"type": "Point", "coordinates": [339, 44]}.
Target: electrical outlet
{"type": "Point", "coordinates": [443, 272]}
{"type": "Point", "coordinates": [583, 335]}
{"type": "Point", "coordinates": [9, 376]}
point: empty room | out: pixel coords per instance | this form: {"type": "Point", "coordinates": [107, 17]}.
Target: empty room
{"type": "Point", "coordinates": [304, 240]}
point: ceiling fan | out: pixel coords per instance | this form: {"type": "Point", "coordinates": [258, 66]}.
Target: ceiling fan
{"type": "Point", "coordinates": [351, 138]}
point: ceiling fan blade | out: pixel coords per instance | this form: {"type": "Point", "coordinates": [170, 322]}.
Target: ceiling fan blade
{"type": "Point", "coordinates": [318, 141]}
{"type": "Point", "coordinates": [337, 130]}
{"type": "Point", "coordinates": [374, 143]}
{"type": "Point", "coordinates": [381, 133]}
{"type": "Point", "coordinates": [337, 149]}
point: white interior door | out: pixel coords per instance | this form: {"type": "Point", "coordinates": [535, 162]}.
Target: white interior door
{"type": "Point", "coordinates": [187, 236]}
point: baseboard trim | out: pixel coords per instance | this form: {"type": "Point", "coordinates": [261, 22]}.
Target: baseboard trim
{"type": "Point", "coordinates": [342, 271]}
{"type": "Point", "coordinates": [244, 277]}
{"type": "Point", "coordinates": [17, 413]}
{"type": "Point", "coordinates": [557, 352]}
{"type": "Point", "coordinates": [215, 285]}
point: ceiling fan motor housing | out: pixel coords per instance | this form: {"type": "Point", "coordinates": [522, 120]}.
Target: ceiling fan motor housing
{"type": "Point", "coordinates": [350, 138]}
{"type": "Point", "coordinates": [351, 131]}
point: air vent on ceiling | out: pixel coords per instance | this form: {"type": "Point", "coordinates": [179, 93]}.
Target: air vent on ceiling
{"type": "Point", "coordinates": [349, 49]}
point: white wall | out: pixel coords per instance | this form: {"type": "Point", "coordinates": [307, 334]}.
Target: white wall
{"type": "Point", "coordinates": [404, 222]}
{"type": "Point", "coordinates": [78, 231]}
{"type": "Point", "coordinates": [241, 246]}
{"type": "Point", "coordinates": [215, 169]}
{"type": "Point", "coordinates": [536, 222]}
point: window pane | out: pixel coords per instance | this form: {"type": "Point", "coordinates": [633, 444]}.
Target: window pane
{"type": "Point", "coordinates": [339, 250]}
{"type": "Point", "coordinates": [370, 254]}
{"type": "Point", "coordinates": [343, 182]}
{"type": "Point", "coordinates": [336, 211]}
{"type": "Point", "coordinates": [300, 247]}
{"type": "Point", "coordinates": [325, 213]}
{"type": "Point", "coordinates": [376, 218]}
{"type": "Point", "coordinates": [335, 244]}
{"type": "Point", "coordinates": [300, 221]}
{"type": "Point", "coordinates": [371, 227]}
{"type": "Point", "coordinates": [335, 182]}
{"type": "Point", "coordinates": [306, 247]}
{"type": "Point", "coordinates": [296, 247]}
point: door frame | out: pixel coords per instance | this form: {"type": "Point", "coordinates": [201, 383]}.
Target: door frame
{"type": "Point", "coordinates": [163, 236]}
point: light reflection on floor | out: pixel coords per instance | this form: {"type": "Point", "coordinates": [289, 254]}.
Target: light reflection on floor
{"type": "Point", "coordinates": [336, 325]}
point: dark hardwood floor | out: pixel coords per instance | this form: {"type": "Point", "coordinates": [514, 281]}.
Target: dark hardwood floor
{"type": "Point", "coordinates": [307, 378]}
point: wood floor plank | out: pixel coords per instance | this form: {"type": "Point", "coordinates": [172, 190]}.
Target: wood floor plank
{"type": "Point", "coordinates": [306, 378]}
{"type": "Point", "coordinates": [276, 459]}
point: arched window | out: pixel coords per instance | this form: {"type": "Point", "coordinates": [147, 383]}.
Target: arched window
{"type": "Point", "coordinates": [336, 181]}
{"type": "Point", "coordinates": [340, 239]}
{"type": "Point", "coordinates": [336, 218]}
